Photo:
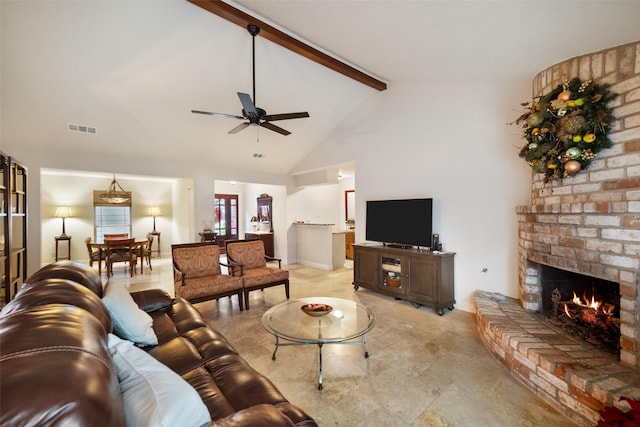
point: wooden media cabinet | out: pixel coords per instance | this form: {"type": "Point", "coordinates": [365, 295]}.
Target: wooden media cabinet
{"type": "Point", "coordinates": [419, 276]}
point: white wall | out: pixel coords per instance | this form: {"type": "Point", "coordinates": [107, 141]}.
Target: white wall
{"type": "Point", "coordinates": [450, 142]}
{"type": "Point", "coordinates": [279, 216]}
{"type": "Point", "coordinates": [318, 204]}
{"type": "Point", "coordinates": [248, 194]}
{"type": "Point", "coordinates": [75, 189]}
{"type": "Point", "coordinates": [321, 204]}
{"type": "Point", "coordinates": [345, 184]}
{"type": "Point", "coordinates": [183, 224]}
{"type": "Point", "coordinates": [192, 196]}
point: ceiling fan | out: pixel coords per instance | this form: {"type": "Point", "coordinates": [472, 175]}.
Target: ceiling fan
{"type": "Point", "coordinates": [251, 113]}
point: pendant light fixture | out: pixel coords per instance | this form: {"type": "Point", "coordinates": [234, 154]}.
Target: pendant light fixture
{"type": "Point", "coordinates": [115, 193]}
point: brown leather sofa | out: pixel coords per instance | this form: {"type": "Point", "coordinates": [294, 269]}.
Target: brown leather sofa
{"type": "Point", "coordinates": [57, 368]}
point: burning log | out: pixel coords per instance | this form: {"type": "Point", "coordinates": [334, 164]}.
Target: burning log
{"type": "Point", "coordinates": [589, 319]}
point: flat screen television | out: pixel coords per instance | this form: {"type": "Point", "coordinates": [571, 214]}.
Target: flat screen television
{"type": "Point", "coordinates": [406, 222]}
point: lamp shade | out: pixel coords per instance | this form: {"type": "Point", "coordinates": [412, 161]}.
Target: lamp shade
{"type": "Point", "coordinates": [154, 211]}
{"type": "Point", "coordinates": [63, 212]}
{"type": "Point", "coordinates": [254, 219]}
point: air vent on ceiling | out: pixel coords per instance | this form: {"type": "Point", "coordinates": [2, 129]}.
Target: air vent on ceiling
{"type": "Point", "coordinates": [73, 127]}
{"type": "Point", "coordinates": [259, 155]}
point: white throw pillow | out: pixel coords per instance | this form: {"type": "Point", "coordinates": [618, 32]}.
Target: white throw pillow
{"type": "Point", "coordinates": [129, 321]}
{"type": "Point", "coordinates": [153, 394]}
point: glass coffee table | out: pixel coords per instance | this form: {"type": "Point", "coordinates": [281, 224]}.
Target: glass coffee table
{"type": "Point", "coordinates": [346, 322]}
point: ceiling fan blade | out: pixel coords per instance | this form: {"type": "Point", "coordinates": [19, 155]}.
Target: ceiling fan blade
{"type": "Point", "coordinates": [275, 128]}
{"type": "Point", "coordinates": [286, 116]}
{"type": "Point", "coordinates": [247, 105]}
{"type": "Point", "coordinates": [231, 116]}
{"type": "Point", "coordinates": [239, 127]}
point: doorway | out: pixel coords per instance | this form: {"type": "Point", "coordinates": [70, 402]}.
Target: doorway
{"type": "Point", "coordinates": [226, 219]}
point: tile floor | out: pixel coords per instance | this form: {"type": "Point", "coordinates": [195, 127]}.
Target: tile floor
{"type": "Point", "coordinates": [423, 369]}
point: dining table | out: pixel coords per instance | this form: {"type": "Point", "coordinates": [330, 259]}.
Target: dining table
{"type": "Point", "coordinates": [136, 245]}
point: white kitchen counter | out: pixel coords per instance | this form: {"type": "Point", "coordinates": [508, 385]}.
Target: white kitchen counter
{"type": "Point", "coordinates": [319, 245]}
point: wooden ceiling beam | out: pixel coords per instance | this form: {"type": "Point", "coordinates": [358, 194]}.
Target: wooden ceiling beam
{"type": "Point", "coordinates": [230, 13]}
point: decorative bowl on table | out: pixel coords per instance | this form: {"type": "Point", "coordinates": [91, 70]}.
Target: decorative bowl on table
{"type": "Point", "coordinates": [316, 310]}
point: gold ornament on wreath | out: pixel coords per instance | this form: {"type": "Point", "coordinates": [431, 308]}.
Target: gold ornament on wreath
{"type": "Point", "coordinates": [566, 128]}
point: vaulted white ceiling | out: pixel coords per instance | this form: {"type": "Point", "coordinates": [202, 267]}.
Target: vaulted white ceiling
{"type": "Point", "coordinates": [135, 69]}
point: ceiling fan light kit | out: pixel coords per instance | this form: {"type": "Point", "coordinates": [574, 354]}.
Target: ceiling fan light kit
{"type": "Point", "coordinates": [255, 115]}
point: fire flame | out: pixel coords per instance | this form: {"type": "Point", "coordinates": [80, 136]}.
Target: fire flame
{"type": "Point", "coordinates": [593, 304]}
{"type": "Point", "coordinates": [566, 311]}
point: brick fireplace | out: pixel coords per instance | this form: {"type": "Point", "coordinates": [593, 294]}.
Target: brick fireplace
{"type": "Point", "coordinates": [590, 223]}
{"type": "Point", "coordinates": [587, 224]}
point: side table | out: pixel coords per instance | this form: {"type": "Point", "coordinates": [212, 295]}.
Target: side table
{"type": "Point", "coordinates": [156, 237]}
{"type": "Point", "coordinates": [208, 236]}
{"type": "Point", "coordinates": [63, 239]}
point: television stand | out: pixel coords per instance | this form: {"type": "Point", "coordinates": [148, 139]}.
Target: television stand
{"type": "Point", "coordinates": [398, 246]}
{"type": "Point", "coordinates": [410, 274]}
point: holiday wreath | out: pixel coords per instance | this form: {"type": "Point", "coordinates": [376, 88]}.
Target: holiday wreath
{"type": "Point", "coordinates": [566, 128]}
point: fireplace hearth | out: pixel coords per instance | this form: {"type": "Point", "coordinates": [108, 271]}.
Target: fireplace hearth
{"type": "Point", "coordinates": [583, 306]}
{"type": "Point", "coordinates": [587, 224]}
{"type": "Point", "coordinates": [590, 223]}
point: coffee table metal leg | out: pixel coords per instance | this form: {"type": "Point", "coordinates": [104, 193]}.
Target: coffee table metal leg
{"type": "Point", "coordinates": [320, 368]}
{"type": "Point", "coordinates": [273, 356]}
{"type": "Point", "coordinates": [364, 344]}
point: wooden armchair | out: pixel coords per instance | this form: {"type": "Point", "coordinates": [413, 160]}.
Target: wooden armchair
{"type": "Point", "coordinates": [247, 259]}
{"type": "Point", "coordinates": [120, 250]}
{"type": "Point", "coordinates": [198, 276]}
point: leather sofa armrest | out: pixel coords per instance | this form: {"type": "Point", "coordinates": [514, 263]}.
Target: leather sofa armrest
{"type": "Point", "coordinates": [255, 416]}
{"type": "Point", "coordinates": [151, 299]}
{"type": "Point", "coordinates": [270, 258]}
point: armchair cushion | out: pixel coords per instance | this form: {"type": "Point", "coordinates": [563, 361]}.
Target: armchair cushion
{"type": "Point", "coordinates": [202, 287]}
{"type": "Point", "coordinates": [258, 277]}
{"type": "Point", "coordinates": [197, 261]}
{"type": "Point", "coordinates": [250, 253]}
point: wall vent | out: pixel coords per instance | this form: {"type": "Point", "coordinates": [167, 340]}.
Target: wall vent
{"type": "Point", "coordinates": [259, 155]}
{"type": "Point", "coordinates": [73, 127]}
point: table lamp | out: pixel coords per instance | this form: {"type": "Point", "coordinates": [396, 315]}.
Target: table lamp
{"type": "Point", "coordinates": [63, 212]}
{"type": "Point", "coordinates": [254, 222]}
{"type": "Point", "coordinates": [154, 212]}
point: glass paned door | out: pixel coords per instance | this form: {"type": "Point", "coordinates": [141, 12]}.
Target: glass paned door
{"type": "Point", "coordinates": [226, 218]}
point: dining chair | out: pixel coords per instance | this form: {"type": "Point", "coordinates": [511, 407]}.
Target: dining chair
{"type": "Point", "coordinates": [120, 250]}
{"type": "Point", "coordinates": [116, 236]}
{"type": "Point", "coordinates": [146, 250]}
{"type": "Point", "coordinates": [95, 254]}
